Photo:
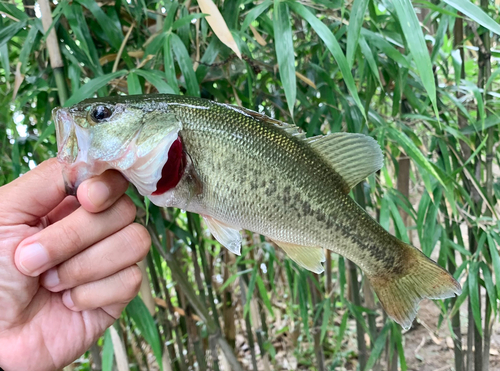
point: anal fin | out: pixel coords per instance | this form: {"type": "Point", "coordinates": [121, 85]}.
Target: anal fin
{"type": "Point", "coordinates": [227, 236]}
{"type": "Point", "coordinates": [305, 256]}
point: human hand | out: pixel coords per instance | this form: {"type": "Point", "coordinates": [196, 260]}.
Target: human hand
{"type": "Point", "coordinates": [67, 265]}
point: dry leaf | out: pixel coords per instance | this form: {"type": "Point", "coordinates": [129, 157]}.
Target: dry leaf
{"type": "Point", "coordinates": [218, 25]}
{"type": "Point", "coordinates": [305, 79]}
{"type": "Point", "coordinates": [120, 355]}
{"type": "Point", "coordinates": [257, 36]}
{"type": "Point", "coordinates": [19, 78]}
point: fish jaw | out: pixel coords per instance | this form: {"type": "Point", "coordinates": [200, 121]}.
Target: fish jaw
{"type": "Point", "coordinates": [140, 159]}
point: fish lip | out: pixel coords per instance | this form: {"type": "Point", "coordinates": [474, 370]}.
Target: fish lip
{"type": "Point", "coordinates": [64, 122]}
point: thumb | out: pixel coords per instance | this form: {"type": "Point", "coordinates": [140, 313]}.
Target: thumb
{"type": "Point", "coordinates": [33, 195]}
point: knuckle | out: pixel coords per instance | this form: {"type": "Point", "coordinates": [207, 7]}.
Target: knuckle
{"type": "Point", "coordinates": [138, 239]}
{"type": "Point", "coordinates": [125, 209]}
{"type": "Point", "coordinates": [74, 270]}
{"type": "Point", "coordinates": [132, 279]}
{"type": "Point", "coordinates": [71, 235]}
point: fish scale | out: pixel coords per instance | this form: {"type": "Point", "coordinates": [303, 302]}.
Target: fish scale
{"type": "Point", "coordinates": [244, 170]}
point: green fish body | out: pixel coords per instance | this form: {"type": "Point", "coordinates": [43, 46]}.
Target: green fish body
{"type": "Point", "coordinates": [243, 170]}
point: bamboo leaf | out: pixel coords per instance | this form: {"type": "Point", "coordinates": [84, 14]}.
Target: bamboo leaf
{"type": "Point", "coordinates": [475, 13]}
{"type": "Point", "coordinates": [186, 65]}
{"type": "Point", "coordinates": [353, 30]}
{"type": "Point", "coordinates": [417, 45]}
{"type": "Point", "coordinates": [7, 33]}
{"type": "Point", "coordinates": [134, 86]}
{"type": "Point", "coordinates": [332, 44]}
{"type": "Point", "coordinates": [156, 79]}
{"type": "Point", "coordinates": [107, 352]}
{"type": "Point", "coordinates": [474, 295]}
{"type": "Point", "coordinates": [88, 89]}
{"type": "Point", "coordinates": [218, 25]}
{"type": "Point", "coordinates": [285, 52]}
{"type": "Point", "coordinates": [378, 346]}
{"type": "Point", "coordinates": [495, 260]}
{"type": "Point", "coordinates": [139, 313]}
{"type": "Point", "coordinates": [113, 33]}
{"type": "Point", "coordinates": [254, 14]}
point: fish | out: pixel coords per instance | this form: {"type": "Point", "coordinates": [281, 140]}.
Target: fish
{"type": "Point", "coordinates": [242, 170]}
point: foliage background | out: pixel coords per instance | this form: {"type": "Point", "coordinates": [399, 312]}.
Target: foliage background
{"type": "Point", "coordinates": [421, 77]}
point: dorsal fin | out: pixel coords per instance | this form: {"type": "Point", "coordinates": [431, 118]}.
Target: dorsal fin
{"type": "Point", "coordinates": [353, 156]}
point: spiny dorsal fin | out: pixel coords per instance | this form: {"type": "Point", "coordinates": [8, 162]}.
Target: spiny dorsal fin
{"type": "Point", "coordinates": [227, 236]}
{"type": "Point", "coordinates": [305, 256]}
{"type": "Point", "coordinates": [353, 156]}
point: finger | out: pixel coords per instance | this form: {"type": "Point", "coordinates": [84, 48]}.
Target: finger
{"type": "Point", "coordinates": [117, 252]}
{"type": "Point", "coordinates": [32, 196]}
{"type": "Point", "coordinates": [64, 239]}
{"type": "Point", "coordinates": [65, 208]}
{"type": "Point", "coordinates": [119, 288]}
{"type": "Point", "coordinates": [99, 193]}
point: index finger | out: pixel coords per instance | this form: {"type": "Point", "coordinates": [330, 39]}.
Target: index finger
{"type": "Point", "coordinates": [33, 195]}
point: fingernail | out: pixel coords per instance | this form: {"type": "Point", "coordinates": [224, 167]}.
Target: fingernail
{"type": "Point", "coordinates": [68, 302]}
{"type": "Point", "coordinates": [33, 257]}
{"type": "Point", "coordinates": [98, 193]}
{"type": "Point", "coordinates": [51, 278]}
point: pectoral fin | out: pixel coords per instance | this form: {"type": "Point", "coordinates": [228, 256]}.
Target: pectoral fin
{"type": "Point", "coordinates": [227, 236]}
{"type": "Point", "coordinates": [305, 256]}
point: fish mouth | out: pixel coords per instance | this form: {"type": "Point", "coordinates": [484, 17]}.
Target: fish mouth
{"type": "Point", "coordinates": [71, 145]}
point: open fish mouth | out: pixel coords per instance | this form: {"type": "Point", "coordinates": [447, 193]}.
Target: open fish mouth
{"type": "Point", "coordinates": [139, 149]}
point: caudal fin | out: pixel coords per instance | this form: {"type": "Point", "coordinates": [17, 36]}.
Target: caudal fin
{"type": "Point", "coordinates": [424, 279]}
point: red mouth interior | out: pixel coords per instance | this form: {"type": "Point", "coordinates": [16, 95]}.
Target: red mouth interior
{"type": "Point", "coordinates": [173, 169]}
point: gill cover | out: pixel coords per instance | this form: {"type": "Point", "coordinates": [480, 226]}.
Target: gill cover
{"type": "Point", "coordinates": [94, 136]}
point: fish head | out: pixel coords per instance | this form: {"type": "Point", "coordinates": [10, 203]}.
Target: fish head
{"type": "Point", "coordinates": [100, 134]}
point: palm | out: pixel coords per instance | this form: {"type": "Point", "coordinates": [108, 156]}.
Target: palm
{"type": "Point", "coordinates": [39, 321]}
{"type": "Point", "coordinates": [54, 302]}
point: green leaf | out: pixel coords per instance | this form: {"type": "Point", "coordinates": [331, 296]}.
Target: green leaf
{"type": "Point", "coordinates": [254, 14]}
{"type": "Point", "coordinates": [495, 259]}
{"type": "Point", "coordinates": [156, 78]}
{"type": "Point", "coordinates": [368, 54]}
{"type": "Point", "coordinates": [114, 34]}
{"type": "Point", "coordinates": [27, 47]}
{"type": "Point", "coordinates": [415, 154]}
{"type": "Point", "coordinates": [134, 86]}
{"type": "Point", "coordinates": [233, 277]}
{"type": "Point", "coordinates": [285, 52]}
{"type": "Point", "coordinates": [264, 295]}
{"type": "Point", "coordinates": [353, 30]}
{"type": "Point", "coordinates": [187, 20]}
{"type": "Point", "coordinates": [88, 89]}
{"type": "Point", "coordinates": [378, 346]}
{"type": "Point", "coordinates": [382, 44]}
{"type": "Point", "coordinates": [332, 44]}
{"type": "Point", "coordinates": [168, 62]}
{"type": "Point", "coordinates": [139, 313]}
{"type": "Point", "coordinates": [475, 13]}
{"type": "Point", "coordinates": [417, 45]}
{"type": "Point", "coordinates": [251, 288]}
{"type": "Point", "coordinates": [490, 286]}
{"type": "Point", "coordinates": [186, 65]}
{"type": "Point", "coordinates": [108, 352]}
{"type": "Point", "coordinates": [474, 295]}
{"type": "Point", "coordinates": [7, 33]}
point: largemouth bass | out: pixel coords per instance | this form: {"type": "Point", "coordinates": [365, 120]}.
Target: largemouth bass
{"type": "Point", "coordinates": [243, 170]}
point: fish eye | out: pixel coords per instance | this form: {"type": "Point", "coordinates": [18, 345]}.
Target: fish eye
{"type": "Point", "coordinates": [100, 113]}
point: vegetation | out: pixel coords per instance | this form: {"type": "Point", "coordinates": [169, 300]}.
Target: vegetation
{"type": "Point", "coordinates": [421, 78]}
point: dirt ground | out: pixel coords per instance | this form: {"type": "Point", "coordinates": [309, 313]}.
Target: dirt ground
{"type": "Point", "coordinates": [426, 350]}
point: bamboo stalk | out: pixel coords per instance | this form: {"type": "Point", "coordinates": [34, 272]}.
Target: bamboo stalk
{"type": "Point", "coordinates": [195, 302]}
{"type": "Point", "coordinates": [56, 61]}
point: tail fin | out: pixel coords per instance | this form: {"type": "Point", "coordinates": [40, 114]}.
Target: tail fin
{"type": "Point", "coordinates": [423, 279]}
